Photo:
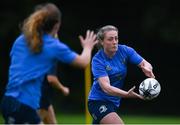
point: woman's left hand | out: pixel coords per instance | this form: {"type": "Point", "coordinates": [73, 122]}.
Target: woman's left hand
{"type": "Point", "coordinates": [147, 69]}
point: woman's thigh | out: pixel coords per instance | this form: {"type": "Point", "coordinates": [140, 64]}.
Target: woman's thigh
{"type": "Point", "coordinates": [111, 118]}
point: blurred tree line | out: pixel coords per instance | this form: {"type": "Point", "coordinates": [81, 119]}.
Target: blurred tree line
{"type": "Point", "coordinates": [151, 27]}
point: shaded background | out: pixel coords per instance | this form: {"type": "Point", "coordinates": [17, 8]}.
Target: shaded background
{"type": "Point", "coordinates": [150, 27]}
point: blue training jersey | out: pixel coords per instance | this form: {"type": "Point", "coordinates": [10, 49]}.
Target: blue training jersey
{"type": "Point", "coordinates": [115, 68]}
{"type": "Point", "coordinates": [27, 70]}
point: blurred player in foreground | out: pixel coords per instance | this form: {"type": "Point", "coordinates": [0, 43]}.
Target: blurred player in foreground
{"type": "Point", "coordinates": [33, 54]}
{"type": "Point", "coordinates": [109, 68]}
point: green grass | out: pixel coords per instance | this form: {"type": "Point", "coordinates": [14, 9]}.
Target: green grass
{"type": "Point", "coordinates": [151, 119]}
{"type": "Point", "coordinates": [128, 119]}
{"type": "Point", "coordinates": [71, 118]}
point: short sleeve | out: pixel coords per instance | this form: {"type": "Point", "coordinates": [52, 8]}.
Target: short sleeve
{"type": "Point", "coordinates": [133, 56]}
{"type": "Point", "coordinates": [64, 53]}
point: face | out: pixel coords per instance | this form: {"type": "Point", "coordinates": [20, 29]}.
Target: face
{"type": "Point", "coordinates": [110, 42]}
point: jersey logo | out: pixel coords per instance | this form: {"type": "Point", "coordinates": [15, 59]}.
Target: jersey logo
{"type": "Point", "coordinates": [102, 109]}
{"type": "Point", "coordinates": [108, 68]}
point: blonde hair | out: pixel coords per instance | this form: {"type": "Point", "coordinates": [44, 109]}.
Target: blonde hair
{"type": "Point", "coordinates": [41, 21]}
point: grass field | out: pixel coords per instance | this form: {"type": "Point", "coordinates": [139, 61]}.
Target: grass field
{"type": "Point", "coordinates": [130, 119]}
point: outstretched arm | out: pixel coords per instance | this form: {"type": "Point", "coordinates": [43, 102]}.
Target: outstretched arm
{"type": "Point", "coordinates": [87, 43]}
{"type": "Point", "coordinates": [111, 90]}
{"type": "Point", "coordinates": [54, 81]}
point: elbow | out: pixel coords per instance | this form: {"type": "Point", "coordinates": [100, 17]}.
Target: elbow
{"type": "Point", "coordinates": [84, 62]}
{"type": "Point", "coordinates": [83, 65]}
{"type": "Point", "coordinates": [81, 62]}
{"type": "Point", "coordinates": [51, 79]}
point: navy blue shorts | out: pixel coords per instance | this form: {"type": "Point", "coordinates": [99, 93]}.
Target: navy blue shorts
{"type": "Point", "coordinates": [15, 112]}
{"type": "Point", "coordinates": [98, 109]}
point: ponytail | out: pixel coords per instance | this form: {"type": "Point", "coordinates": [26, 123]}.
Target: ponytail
{"type": "Point", "coordinates": [32, 30]}
{"type": "Point", "coordinates": [40, 22]}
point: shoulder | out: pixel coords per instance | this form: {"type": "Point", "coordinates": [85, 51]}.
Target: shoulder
{"type": "Point", "coordinates": [53, 42]}
{"type": "Point", "coordinates": [98, 57]}
{"type": "Point", "coordinates": [21, 37]}
{"type": "Point", "coordinates": [124, 47]}
{"type": "Point", "coordinates": [19, 41]}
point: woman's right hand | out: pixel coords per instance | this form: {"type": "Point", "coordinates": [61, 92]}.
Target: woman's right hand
{"type": "Point", "coordinates": [89, 41]}
{"type": "Point", "coordinates": [132, 94]}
